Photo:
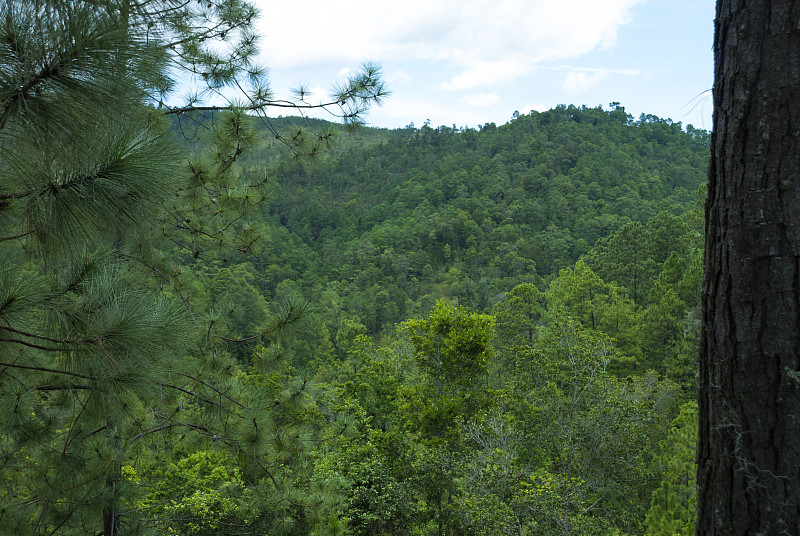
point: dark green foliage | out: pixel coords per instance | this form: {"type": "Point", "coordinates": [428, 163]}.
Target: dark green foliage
{"type": "Point", "coordinates": [553, 431]}
{"type": "Point", "coordinates": [563, 446]}
{"type": "Point", "coordinates": [518, 315]}
{"type": "Point", "coordinates": [467, 214]}
{"type": "Point", "coordinates": [113, 356]}
{"type": "Point", "coordinates": [165, 301]}
{"type": "Point", "coordinates": [673, 510]}
{"type": "Point", "coordinates": [452, 347]}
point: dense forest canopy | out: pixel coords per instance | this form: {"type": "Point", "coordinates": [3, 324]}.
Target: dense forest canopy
{"type": "Point", "coordinates": [415, 215]}
{"type": "Point", "coordinates": [215, 322]}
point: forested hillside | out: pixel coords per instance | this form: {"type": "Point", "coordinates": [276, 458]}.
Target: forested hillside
{"type": "Point", "coordinates": [502, 323]}
{"type": "Point", "coordinates": [390, 222]}
{"type": "Point", "coordinates": [215, 323]}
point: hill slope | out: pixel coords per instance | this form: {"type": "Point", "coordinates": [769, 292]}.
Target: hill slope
{"type": "Point", "coordinates": [391, 224]}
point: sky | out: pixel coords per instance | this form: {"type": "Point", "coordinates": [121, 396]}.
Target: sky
{"type": "Point", "coordinates": [471, 62]}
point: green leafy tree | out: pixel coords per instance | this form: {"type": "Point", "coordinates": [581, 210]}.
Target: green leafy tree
{"type": "Point", "coordinates": [582, 293]}
{"type": "Point", "coordinates": [198, 494]}
{"type": "Point", "coordinates": [593, 432]}
{"type": "Point", "coordinates": [599, 306]}
{"type": "Point", "coordinates": [667, 233]}
{"type": "Point", "coordinates": [673, 509]}
{"type": "Point", "coordinates": [662, 326]}
{"type": "Point", "coordinates": [452, 348]}
{"type": "Point", "coordinates": [374, 457]}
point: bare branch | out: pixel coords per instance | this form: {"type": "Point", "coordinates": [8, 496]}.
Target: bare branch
{"type": "Point", "coordinates": [4, 238]}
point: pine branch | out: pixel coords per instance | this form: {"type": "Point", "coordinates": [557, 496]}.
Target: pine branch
{"type": "Point", "coordinates": [186, 391]}
{"type": "Point", "coordinates": [43, 337]}
{"type": "Point", "coordinates": [48, 72]}
{"type": "Point", "coordinates": [252, 107]}
{"type": "Point", "coordinates": [40, 517]}
{"type": "Point", "coordinates": [185, 375]}
{"type": "Point", "coordinates": [43, 369]}
{"type": "Point", "coordinates": [329, 438]}
{"type": "Point", "coordinates": [16, 195]}
{"type": "Point", "coordinates": [267, 331]}
{"type": "Point", "coordinates": [15, 237]}
{"type": "Point", "coordinates": [207, 33]}
{"type": "Point", "coordinates": [153, 430]}
{"type": "Point", "coordinates": [70, 387]}
{"type": "Point", "coordinates": [46, 504]}
{"type": "Point", "coordinates": [32, 345]}
{"type": "Point", "coordinates": [154, 14]}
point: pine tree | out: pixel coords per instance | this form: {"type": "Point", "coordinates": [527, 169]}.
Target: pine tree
{"type": "Point", "coordinates": [103, 364]}
{"type": "Point", "coordinates": [748, 477]}
{"type": "Point", "coordinates": [519, 313]}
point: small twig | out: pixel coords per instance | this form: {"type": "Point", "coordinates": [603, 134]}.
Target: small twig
{"type": "Point", "coordinates": [185, 375]}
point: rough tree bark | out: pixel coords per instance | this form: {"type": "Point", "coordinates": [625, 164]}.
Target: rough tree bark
{"type": "Point", "coordinates": [749, 447]}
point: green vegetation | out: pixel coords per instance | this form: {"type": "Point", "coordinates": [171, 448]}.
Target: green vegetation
{"type": "Point", "coordinates": [206, 329]}
{"type": "Point", "coordinates": [388, 228]}
{"type": "Point", "coordinates": [673, 509]}
{"type": "Point", "coordinates": [498, 370]}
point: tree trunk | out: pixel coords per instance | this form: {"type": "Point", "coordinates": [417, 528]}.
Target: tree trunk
{"type": "Point", "coordinates": [111, 519]}
{"type": "Point", "coordinates": [749, 437]}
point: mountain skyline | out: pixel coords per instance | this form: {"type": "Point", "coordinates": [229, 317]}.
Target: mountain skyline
{"type": "Point", "coordinates": [471, 62]}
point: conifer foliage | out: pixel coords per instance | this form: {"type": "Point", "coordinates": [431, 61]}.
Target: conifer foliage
{"type": "Point", "coordinates": [104, 355]}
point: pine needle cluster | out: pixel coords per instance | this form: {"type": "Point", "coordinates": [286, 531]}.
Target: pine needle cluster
{"type": "Point", "coordinates": [109, 372]}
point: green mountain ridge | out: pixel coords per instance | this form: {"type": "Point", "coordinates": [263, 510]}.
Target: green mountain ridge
{"type": "Point", "coordinates": [399, 218]}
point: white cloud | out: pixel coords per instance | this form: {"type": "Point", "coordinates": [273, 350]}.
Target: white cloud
{"type": "Point", "coordinates": [487, 73]}
{"type": "Point", "coordinates": [398, 77]}
{"type": "Point", "coordinates": [580, 81]}
{"type": "Point", "coordinates": [461, 58]}
{"type": "Point", "coordinates": [436, 53]}
{"type": "Point", "coordinates": [323, 31]}
{"type": "Point", "coordinates": [535, 107]}
{"type": "Point", "coordinates": [319, 92]}
{"type": "Point", "coordinates": [482, 100]}
{"type": "Point", "coordinates": [468, 34]}
{"type": "Point", "coordinates": [570, 28]}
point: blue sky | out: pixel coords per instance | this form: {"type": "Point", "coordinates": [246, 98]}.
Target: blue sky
{"type": "Point", "coordinates": [470, 62]}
